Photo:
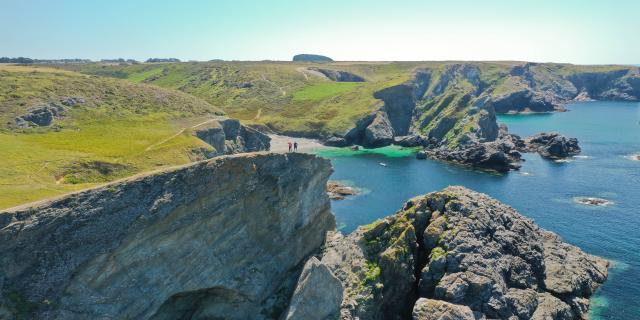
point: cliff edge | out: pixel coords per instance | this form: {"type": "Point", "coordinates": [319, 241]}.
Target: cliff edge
{"type": "Point", "coordinates": [223, 237]}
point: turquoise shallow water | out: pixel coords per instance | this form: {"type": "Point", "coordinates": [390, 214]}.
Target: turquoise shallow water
{"type": "Point", "coordinates": [609, 133]}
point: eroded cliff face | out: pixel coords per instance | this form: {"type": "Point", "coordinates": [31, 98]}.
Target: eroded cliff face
{"type": "Point", "coordinates": [229, 136]}
{"type": "Point", "coordinates": [395, 117]}
{"type": "Point", "coordinates": [451, 103]}
{"type": "Point", "coordinates": [458, 254]}
{"type": "Point", "coordinates": [534, 87]}
{"type": "Point", "coordinates": [220, 238]}
{"type": "Point", "coordinates": [450, 109]}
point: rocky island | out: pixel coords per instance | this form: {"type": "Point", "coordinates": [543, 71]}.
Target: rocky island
{"type": "Point", "coordinates": [252, 237]}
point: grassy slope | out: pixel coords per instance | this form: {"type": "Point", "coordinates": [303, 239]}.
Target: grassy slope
{"type": "Point", "coordinates": [275, 94]}
{"type": "Point", "coordinates": [125, 124]}
{"type": "Point", "coordinates": [280, 96]}
{"type": "Point", "coordinates": [119, 131]}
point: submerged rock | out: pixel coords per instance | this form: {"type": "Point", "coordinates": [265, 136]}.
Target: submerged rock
{"type": "Point", "coordinates": [458, 254]}
{"type": "Point", "coordinates": [592, 201]}
{"type": "Point", "coordinates": [213, 239]}
{"type": "Point", "coordinates": [339, 191]}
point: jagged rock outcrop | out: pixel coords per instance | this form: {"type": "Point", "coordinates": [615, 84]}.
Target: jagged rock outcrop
{"type": "Point", "coordinates": [552, 145]}
{"type": "Point", "coordinates": [534, 87]}
{"type": "Point", "coordinates": [458, 254]}
{"type": "Point", "coordinates": [306, 57]}
{"type": "Point", "coordinates": [46, 114]}
{"type": "Point", "coordinates": [413, 140]}
{"type": "Point", "coordinates": [339, 75]}
{"type": "Point", "coordinates": [318, 294]}
{"type": "Point", "coordinates": [40, 116]}
{"type": "Point", "coordinates": [394, 118]}
{"type": "Point", "coordinates": [500, 155]}
{"type": "Point", "coordinates": [400, 101]}
{"type": "Point", "coordinates": [379, 132]}
{"type": "Point", "coordinates": [228, 136]}
{"type": "Point", "coordinates": [213, 239]}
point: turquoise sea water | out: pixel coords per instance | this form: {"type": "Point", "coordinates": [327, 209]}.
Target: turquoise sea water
{"type": "Point", "coordinates": [609, 134]}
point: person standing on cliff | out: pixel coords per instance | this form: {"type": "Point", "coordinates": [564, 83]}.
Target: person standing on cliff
{"type": "Point", "coordinates": [295, 146]}
{"type": "Point", "coordinates": [289, 146]}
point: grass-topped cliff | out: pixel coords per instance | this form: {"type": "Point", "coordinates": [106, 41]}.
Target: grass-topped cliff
{"type": "Point", "coordinates": [106, 121]}
{"type": "Point", "coordinates": [294, 98]}
{"type": "Point", "coordinates": [106, 129]}
{"type": "Point", "coordinates": [284, 96]}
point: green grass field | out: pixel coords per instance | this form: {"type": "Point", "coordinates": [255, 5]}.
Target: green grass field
{"type": "Point", "coordinates": [122, 129]}
{"type": "Point", "coordinates": [278, 95]}
{"type": "Point", "coordinates": [137, 117]}
{"type": "Point", "coordinates": [324, 90]}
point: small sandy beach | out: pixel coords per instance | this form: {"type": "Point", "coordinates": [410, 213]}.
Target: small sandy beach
{"type": "Point", "coordinates": [280, 144]}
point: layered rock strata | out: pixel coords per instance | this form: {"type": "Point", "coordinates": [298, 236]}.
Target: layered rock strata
{"type": "Point", "coordinates": [223, 238]}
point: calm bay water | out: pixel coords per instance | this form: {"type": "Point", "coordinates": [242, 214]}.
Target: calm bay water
{"type": "Point", "coordinates": [609, 134]}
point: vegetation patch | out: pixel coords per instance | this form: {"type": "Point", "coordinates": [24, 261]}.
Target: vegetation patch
{"type": "Point", "coordinates": [95, 171]}
{"type": "Point", "coordinates": [323, 90]}
{"type": "Point", "coordinates": [372, 272]}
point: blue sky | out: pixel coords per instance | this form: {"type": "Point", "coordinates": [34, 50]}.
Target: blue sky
{"type": "Point", "coordinates": [587, 31]}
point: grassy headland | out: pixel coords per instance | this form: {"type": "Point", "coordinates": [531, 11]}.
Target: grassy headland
{"type": "Point", "coordinates": [121, 129]}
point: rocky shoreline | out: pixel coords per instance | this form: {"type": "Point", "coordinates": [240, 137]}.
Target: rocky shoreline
{"type": "Point", "coordinates": [458, 254]}
{"type": "Point", "coordinates": [459, 125]}
{"type": "Point", "coordinates": [186, 242]}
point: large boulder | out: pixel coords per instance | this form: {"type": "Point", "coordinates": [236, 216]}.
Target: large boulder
{"type": "Point", "coordinates": [429, 309]}
{"type": "Point", "coordinates": [213, 239]}
{"type": "Point", "coordinates": [413, 140]}
{"type": "Point", "coordinates": [40, 116]}
{"type": "Point", "coordinates": [379, 132]}
{"type": "Point", "coordinates": [553, 145]}
{"type": "Point", "coordinates": [318, 294]}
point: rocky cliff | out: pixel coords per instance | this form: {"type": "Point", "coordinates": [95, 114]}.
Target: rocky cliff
{"type": "Point", "coordinates": [451, 109]}
{"type": "Point", "coordinates": [228, 136]}
{"type": "Point", "coordinates": [533, 87]}
{"type": "Point", "coordinates": [458, 254]}
{"type": "Point", "coordinates": [225, 237]}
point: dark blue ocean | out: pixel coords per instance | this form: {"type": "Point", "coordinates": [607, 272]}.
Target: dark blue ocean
{"type": "Point", "coordinates": [609, 134]}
